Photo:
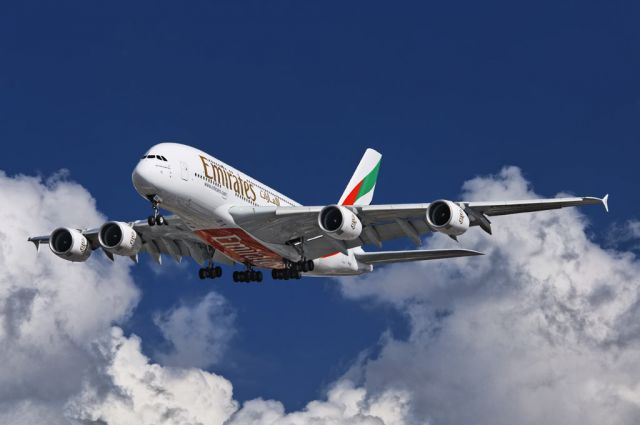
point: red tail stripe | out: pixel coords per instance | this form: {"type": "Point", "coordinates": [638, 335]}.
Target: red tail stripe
{"type": "Point", "coordinates": [353, 194]}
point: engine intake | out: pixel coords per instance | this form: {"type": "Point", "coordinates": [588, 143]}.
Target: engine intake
{"type": "Point", "coordinates": [447, 217]}
{"type": "Point", "coordinates": [69, 244]}
{"type": "Point", "coordinates": [339, 223]}
{"type": "Point", "coordinates": [119, 238]}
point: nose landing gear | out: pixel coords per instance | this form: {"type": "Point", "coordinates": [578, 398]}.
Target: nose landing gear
{"type": "Point", "coordinates": [156, 218]}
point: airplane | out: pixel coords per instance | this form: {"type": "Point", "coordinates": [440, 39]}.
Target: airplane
{"type": "Point", "coordinates": [223, 216]}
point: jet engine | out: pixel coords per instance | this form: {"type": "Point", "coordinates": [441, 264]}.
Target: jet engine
{"type": "Point", "coordinates": [339, 223]}
{"type": "Point", "coordinates": [119, 238]}
{"type": "Point", "coordinates": [69, 244]}
{"type": "Point", "coordinates": [447, 217]}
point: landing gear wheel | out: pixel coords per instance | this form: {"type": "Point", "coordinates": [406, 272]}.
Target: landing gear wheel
{"type": "Point", "coordinates": [151, 220]}
{"type": "Point", "coordinates": [235, 276]}
{"type": "Point", "coordinates": [217, 271]}
{"type": "Point", "coordinates": [160, 220]}
{"type": "Point", "coordinates": [202, 273]}
{"type": "Point", "coordinates": [310, 265]}
{"type": "Point", "coordinates": [258, 276]}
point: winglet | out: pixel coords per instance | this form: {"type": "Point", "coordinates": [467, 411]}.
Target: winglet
{"type": "Point", "coordinates": [605, 202]}
{"type": "Point", "coordinates": [36, 243]}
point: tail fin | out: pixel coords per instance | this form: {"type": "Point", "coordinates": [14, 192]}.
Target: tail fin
{"type": "Point", "coordinates": [359, 191]}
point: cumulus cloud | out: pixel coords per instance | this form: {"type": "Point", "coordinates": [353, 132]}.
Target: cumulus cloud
{"type": "Point", "coordinates": [198, 333]}
{"type": "Point", "coordinates": [625, 235]}
{"type": "Point", "coordinates": [543, 329]}
{"type": "Point", "coordinates": [49, 308]}
{"type": "Point", "coordinates": [345, 405]}
{"type": "Point", "coordinates": [147, 393]}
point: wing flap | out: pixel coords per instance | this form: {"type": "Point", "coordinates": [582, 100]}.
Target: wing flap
{"type": "Point", "coordinates": [417, 255]}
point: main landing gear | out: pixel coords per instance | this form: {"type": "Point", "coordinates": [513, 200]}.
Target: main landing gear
{"type": "Point", "coordinates": [285, 274]}
{"type": "Point", "coordinates": [300, 266]}
{"type": "Point", "coordinates": [210, 272]}
{"type": "Point", "coordinates": [156, 218]}
{"type": "Point", "coordinates": [292, 269]}
{"type": "Point", "coordinates": [247, 276]}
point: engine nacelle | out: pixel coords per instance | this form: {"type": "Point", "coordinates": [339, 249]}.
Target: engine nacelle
{"type": "Point", "coordinates": [119, 238]}
{"type": "Point", "coordinates": [69, 244]}
{"type": "Point", "coordinates": [339, 223]}
{"type": "Point", "coordinates": [447, 217]}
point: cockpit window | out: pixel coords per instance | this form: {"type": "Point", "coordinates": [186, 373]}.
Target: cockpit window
{"type": "Point", "coordinates": [160, 157]}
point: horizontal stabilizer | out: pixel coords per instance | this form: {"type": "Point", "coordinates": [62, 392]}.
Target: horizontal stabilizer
{"type": "Point", "coordinates": [416, 255]}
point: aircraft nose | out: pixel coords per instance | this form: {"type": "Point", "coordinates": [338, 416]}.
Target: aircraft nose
{"type": "Point", "coordinates": [143, 179]}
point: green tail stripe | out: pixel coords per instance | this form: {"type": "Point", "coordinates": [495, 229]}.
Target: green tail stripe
{"type": "Point", "coordinates": [369, 181]}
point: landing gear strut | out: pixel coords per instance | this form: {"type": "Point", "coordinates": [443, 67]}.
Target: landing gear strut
{"type": "Point", "coordinates": [210, 272]}
{"type": "Point", "coordinates": [248, 275]}
{"type": "Point", "coordinates": [156, 218]}
{"type": "Point", "coordinates": [292, 269]}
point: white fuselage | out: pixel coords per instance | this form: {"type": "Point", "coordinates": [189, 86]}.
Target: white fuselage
{"type": "Point", "coordinates": [200, 189]}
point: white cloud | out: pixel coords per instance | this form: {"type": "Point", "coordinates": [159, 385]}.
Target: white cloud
{"type": "Point", "coordinates": [49, 308]}
{"type": "Point", "coordinates": [127, 388]}
{"type": "Point", "coordinates": [199, 333]}
{"type": "Point", "coordinates": [626, 234]}
{"type": "Point", "coordinates": [543, 329]}
{"type": "Point", "coordinates": [143, 393]}
{"type": "Point", "coordinates": [345, 405]}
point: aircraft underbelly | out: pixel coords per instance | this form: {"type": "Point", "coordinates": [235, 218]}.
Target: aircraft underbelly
{"type": "Point", "coordinates": [241, 247]}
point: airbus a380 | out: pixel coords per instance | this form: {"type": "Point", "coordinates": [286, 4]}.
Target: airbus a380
{"type": "Point", "coordinates": [222, 216]}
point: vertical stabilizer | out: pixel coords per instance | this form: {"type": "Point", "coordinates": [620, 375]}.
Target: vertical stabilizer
{"type": "Point", "coordinates": [359, 191]}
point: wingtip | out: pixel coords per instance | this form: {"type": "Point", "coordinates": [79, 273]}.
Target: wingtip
{"type": "Point", "coordinates": [35, 242]}
{"type": "Point", "coordinates": [605, 202]}
{"type": "Point", "coordinates": [471, 252]}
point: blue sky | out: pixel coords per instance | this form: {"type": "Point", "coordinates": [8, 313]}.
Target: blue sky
{"type": "Point", "coordinates": [293, 93]}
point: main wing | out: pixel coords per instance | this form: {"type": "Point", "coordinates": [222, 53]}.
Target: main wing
{"type": "Point", "coordinates": [175, 240]}
{"type": "Point", "coordinates": [299, 225]}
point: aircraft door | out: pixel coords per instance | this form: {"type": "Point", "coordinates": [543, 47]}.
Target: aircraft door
{"type": "Point", "coordinates": [184, 171]}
